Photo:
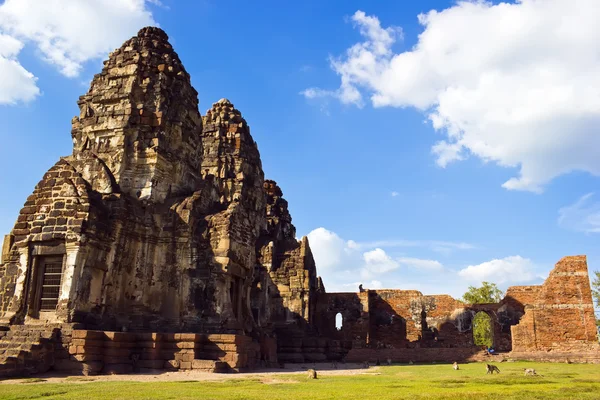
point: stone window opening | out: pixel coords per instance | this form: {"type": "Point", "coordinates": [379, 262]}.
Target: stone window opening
{"type": "Point", "coordinates": [49, 280]}
{"type": "Point", "coordinates": [339, 321]}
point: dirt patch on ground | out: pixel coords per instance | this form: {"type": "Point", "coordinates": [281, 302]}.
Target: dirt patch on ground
{"type": "Point", "coordinates": [275, 381]}
{"type": "Point", "coordinates": [266, 376]}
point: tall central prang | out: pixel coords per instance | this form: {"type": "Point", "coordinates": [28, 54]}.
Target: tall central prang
{"type": "Point", "coordinates": [140, 118]}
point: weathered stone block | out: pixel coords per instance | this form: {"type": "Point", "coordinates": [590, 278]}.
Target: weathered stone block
{"type": "Point", "coordinates": [185, 365]}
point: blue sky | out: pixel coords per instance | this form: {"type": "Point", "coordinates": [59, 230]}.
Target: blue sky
{"type": "Point", "coordinates": [426, 153]}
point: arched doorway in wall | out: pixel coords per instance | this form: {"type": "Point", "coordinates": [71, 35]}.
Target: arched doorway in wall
{"type": "Point", "coordinates": [339, 321]}
{"type": "Point", "coordinates": [483, 330]}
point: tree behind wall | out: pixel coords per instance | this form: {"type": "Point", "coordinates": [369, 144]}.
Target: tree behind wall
{"type": "Point", "coordinates": [482, 330]}
{"type": "Point", "coordinates": [596, 294]}
{"type": "Point", "coordinates": [482, 323]}
{"type": "Point", "coordinates": [487, 293]}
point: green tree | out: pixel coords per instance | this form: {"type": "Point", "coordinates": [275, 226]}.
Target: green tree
{"type": "Point", "coordinates": [596, 292]}
{"type": "Point", "coordinates": [483, 334]}
{"type": "Point", "coordinates": [487, 293]}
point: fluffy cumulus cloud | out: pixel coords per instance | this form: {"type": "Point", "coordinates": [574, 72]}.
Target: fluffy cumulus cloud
{"type": "Point", "coordinates": [16, 84]}
{"type": "Point", "coordinates": [65, 34]}
{"type": "Point", "coordinates": [582, 216]}
{"type": "Point", "coordinates": [516, 84]}
{"type": "Point", "coordinates": [342, 262]}
{"type": "Point", "coordinates": [512, 269]}
{"type": "Point", "coordinates": [377, 262]}
{"type": "Point", "coordinates": [328, 248]}
{"type": "Point", "coordinates": [345, 264]}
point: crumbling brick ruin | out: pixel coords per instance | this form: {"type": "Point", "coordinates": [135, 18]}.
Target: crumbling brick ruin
{"type": "Point", "coordinates": [158, 244]}
{"type": "Point", "coordinates": [551, 322]}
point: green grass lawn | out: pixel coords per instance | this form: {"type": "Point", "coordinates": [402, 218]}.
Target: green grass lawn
{"type": "Point", "coordinates": [437, 381]}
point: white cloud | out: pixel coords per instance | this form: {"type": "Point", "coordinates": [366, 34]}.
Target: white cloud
{"type": "Point", "coordinates": [313, 93]}
{"type": "Point", "coordinates": [353, 286]}
{"type": "Point", "coordinates": [582, 216]}
{"type": "Point", "coordinates": [16, 84]}
{"type": "Point", "coordinates": [157, 3]}
{"type": "Point", "coordinates": [328, 248]}
{"type": "Point", "coordinates": [352, 244]}
{"type": "Point", "coordinates": [514, 84]}
{"type": "Point", "coordinates": [9, 46]}
{"type": "Point", "coordinates": [419, 263]}
{"type": "Point", "coordinates": [375, 285]}
{"type": "Point", "coordinates": [345, 264]}
{"type": "Point", "coordinates": [65, 33]}
{"type": "Point", "coordinates": [438, 246]}
{"type": "Point", "coordinates": [395, 194]}
{"type": "Point", "coordinates": [377, 262]}
{"type": "Point", "coordinates": [340, 262]}
{"type": "Point", "coordinates": [507, 270]}
{"type": "Point", "coordinates": [361, 56]}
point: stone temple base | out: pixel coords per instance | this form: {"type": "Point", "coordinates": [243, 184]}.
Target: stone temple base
{"type": "Point", "coordinates": [123, 352]}
{"type": "Point", "coordinates": [93, 352]}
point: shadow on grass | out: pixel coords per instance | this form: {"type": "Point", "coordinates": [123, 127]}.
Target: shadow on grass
{"type": "Point", "coordinates": [79, 379]}
{"type": "Point", "coordinates": [513, 381]}
{"type": "Point", "coordinates": [49, 393]}
{"type": "Point", "coordinates": [396, 386]}
{"type": "Point", "coordinates": [579, 389]}
{"type": "Point", "coordinates": [450, 385]}
{"type": "Point", "coordinates": [33, 380]}
{"type": "Point", "coordinates": [563, 376]}
{"type": "Point", "coordinates": [596, 381]}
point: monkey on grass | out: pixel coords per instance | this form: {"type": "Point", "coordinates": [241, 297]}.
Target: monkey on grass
{"type": "Point", "coordinates": [490, 369]}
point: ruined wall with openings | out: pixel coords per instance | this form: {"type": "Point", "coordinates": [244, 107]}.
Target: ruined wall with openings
{"type": "Point", "coordinates": [355, 315]}
{"type": "Point", "coordinates": [407, 319]}
{"type": "Point", "coordinates": [553, 321]}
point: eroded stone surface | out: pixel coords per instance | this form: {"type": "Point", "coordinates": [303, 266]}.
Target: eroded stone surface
{"type": "Point", "coordinates": [559, 315]}
{"type": "Point", "coordinates": [140, 119]}
{"type": "Point", "coordinates": [157, 212]}
{"type": "Point", "coordinates": [283, 296]}
{"type": "Point", "coordinates": [159, 217]}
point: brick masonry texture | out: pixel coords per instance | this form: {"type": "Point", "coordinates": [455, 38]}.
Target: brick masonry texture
{"type": "Point", "coordinates": [177, 254]}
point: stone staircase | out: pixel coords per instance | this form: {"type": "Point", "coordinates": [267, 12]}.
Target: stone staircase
{"type": "Point", "coordinates": [27, 349]}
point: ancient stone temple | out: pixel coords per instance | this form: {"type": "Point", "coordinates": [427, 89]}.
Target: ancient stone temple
{"type": "Point", "coordinates": [154, 218]}
{"type": "Point", "coordinates": [155, 222]}
{"type": "Point", "coordinates": [158, 244]}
